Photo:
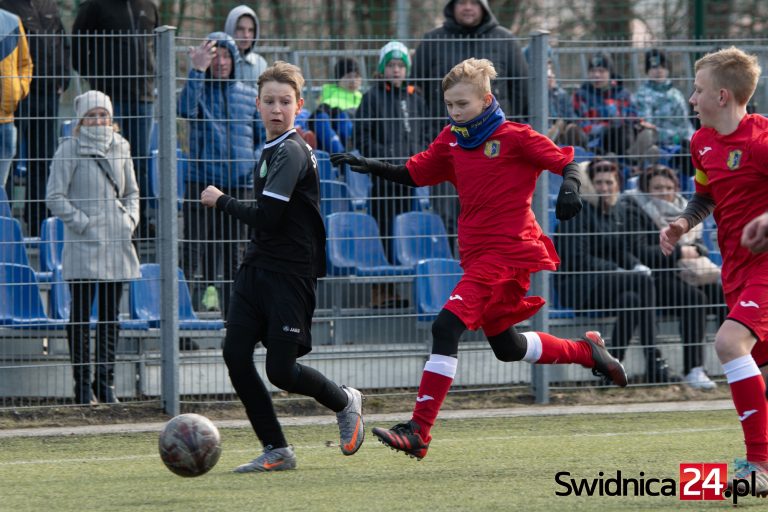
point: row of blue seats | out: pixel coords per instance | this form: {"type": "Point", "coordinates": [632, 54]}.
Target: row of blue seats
{"type": "Point", "coordinates": [21, 303]}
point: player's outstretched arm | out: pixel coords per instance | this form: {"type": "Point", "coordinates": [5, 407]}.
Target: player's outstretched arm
{"type": "Point", "coordinates": [396, 173]}
{"type": "Point", "coordinates": [670, 235]}
{"type": "Point", "coordinates": [755, 234]}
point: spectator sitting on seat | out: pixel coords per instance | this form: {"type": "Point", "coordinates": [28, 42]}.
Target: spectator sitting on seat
{"type": "Point", "coordinates": [646, 210]}
{"type": "Point", "coordinates": [601, 273]}
{"type": "Point", "coordinates": [564, 129]}
{"type": "Point", "coordinates": [608, 115]}
{"type": "Point", "coordinates": [332, 121]}
{"type": "Point", "coordinates": [37, 117]}
{"type": "Point", "coordinates": [390, 127]}
{"type": "Point", "coordinates": [242, 25]}
{"type": "Point", "coordinates": [664, 107]}
{"type": "Point", "coordinates": [92, 188]}
{"type": "Point", "coordinates": [15, 77]}
{"type": "Point", "coordinates": [222, 122]}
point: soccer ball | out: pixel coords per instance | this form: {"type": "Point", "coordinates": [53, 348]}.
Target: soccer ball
{"type": "Point", "coordinates": [190, 445]}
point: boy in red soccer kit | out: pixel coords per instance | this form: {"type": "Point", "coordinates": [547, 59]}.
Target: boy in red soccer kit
{"type": "Point", "coordinates": [730, 155]}
{"type": "Point", "coordinates": [494, 164]}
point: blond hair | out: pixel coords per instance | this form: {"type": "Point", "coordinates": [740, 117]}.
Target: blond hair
{"type": "Point", "coordinates": [732, 69]}
{"type": "Point", "coordinates": [478, 72]}
{"type": "Point", "coordinates": [284, 73]}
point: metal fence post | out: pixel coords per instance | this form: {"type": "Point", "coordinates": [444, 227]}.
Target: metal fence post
{"type": "Point", "coordinates": [539, 116]}
{"type": "Point", "coordinates": [167, 243]}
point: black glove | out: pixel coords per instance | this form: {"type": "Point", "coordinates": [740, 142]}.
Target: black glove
{"type": "Point", "coordinates": [568, 200]}
{"type": "Point", "coordinates": [356, 163]}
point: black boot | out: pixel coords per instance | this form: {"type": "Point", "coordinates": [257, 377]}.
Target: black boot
{"type": "Point", "coordinates": [658, 370]}
{"type": "Point", "coordinates": [79, 348]}
{"type": "Point", "coordinates": [104, 383]}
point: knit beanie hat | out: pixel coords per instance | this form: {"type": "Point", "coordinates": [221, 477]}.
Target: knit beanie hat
{"type": "Point", "coordinates": [344, 66]}
{"type": "Point", "coordinates": [601, 60]}
{"type": "Point", "coordinates": [655, 58]}
{"type": "Point", "coordinates": [90, 100]}
{"type": "Point", "coordinates": [394, 50]}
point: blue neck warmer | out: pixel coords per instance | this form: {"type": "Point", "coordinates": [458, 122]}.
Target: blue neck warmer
{"type": "Point", "coordinates": [471, 134]}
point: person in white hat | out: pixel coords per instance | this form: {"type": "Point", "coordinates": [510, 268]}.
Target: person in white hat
{"type": "Point", "coordinates": [92, 188]}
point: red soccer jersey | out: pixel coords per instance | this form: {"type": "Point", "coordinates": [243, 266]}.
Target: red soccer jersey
{"type": "Point", "coordinates": [495, 183]}
{"type": "Point", "coordinates": [733, 170]}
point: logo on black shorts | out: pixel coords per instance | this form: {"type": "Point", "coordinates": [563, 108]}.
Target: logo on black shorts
{"type": "Point", "coordinates": [294, 330]}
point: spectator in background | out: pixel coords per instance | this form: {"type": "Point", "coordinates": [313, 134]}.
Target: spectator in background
{"type": "Point", "coordinates": [15, 77]}
{"type": "Point", "coordinates": [113, 49]}
{"type": "Point", "coordinates": [470, 29]}
{"type": "Point", "coordinates": [332, 121]}
{"type": "Point", "coordinates": [564, 127]}
{"type": "Point", "coordinates": [608, 115]}
{"type": "Point", "coordinates": [647, 210]}
{"type": "Point", "coordinates": [92, 188]}
{"type": "Point", "coordinates": [390, 127]}
{"type": "Point", "coordinates": [37, 116]}
{"type": "Point", "coordinates": [599, 271]}
{"type": "Point", "coordinates": [242, 25]}
{"type": "Point", "coordinates": [664, 107]}
{"type": "Point", "coordinates": [222, 122]}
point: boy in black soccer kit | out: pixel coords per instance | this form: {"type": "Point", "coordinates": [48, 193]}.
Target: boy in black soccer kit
{"type": "Point", "coordinates": [274, 291]}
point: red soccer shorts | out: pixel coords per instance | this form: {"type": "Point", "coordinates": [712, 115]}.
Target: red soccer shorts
{"type": "Point", "coordinates": [492, 296]}
{"type": "Point", "coordinates": [749, 306]}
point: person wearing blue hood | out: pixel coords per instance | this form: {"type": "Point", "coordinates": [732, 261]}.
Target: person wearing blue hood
{"type": "Point", "coordinates": [222, 120]}
{"type": "Point", "coordinates": [242, 25]}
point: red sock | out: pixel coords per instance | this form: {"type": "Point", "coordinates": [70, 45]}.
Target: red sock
{"type": "Point", "coordinates": [543, 348]}
{"type": "Point", "coordinates": [752, 408]}
{"type": "Point", "coordinates": [432, 392]}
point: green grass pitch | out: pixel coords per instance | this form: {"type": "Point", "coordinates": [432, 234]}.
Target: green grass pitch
{"type": "Point", "coordinates": [481, 464]}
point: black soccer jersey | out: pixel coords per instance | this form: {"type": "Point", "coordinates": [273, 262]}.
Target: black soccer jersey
{"type": "Point", "coordinates": [289, 235]}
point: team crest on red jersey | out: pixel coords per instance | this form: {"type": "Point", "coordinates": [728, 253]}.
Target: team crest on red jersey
{"type": "Point", "coordinates": [492, 148]}
{"type": "Point", "coordinates": [734, 159]}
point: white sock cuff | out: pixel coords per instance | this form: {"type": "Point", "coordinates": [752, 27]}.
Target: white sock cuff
{"type": "Point", "coordinates": [442, 365]}
{"type": "Point", "coordinates": [534, 349]}
{"type": "Point", "coordinates": [740, 368]}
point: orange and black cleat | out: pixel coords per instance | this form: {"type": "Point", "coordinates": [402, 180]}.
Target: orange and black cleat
{"type": "Point", "coordinates": [404, 437]}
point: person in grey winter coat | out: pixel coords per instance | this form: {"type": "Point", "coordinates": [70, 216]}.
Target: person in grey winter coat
{"type": "Point", "coordinates": [92, 188]}
{"type": "Point", "coordinates": [242, 25]}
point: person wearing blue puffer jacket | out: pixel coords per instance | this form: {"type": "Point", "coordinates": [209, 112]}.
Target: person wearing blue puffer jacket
{"type": "Point", "coordinates": [222, 123]}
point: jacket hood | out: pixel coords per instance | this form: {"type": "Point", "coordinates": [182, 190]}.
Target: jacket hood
{"type": "Point", "coordinates": [237, 13]}
{"type": "Point", "coordinates": [226, 41]}
{"type": "Point", "coordinates": [488, 22]}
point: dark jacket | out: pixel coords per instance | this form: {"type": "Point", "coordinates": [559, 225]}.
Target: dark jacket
{"type": "Point", "coordinates": [113, 47]}
{"type": "Point", "coordinates": [590, 242]}
{"type": "Point", "coordinates": [643, 240]}
{"type": "Point", "coordinates": [390, 123]}
{"type": "Point", "coordinates": [435, 57]}
{"type": "Point", "coordinates": [48, 43]}
{"type": "Point", "coordinates": [223, 121]}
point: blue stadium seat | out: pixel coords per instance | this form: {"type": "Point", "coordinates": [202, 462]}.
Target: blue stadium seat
{"type": "Point", "coordinates": [354, 247]}
{"type": "Point", "coordinates": [582, 155]}
{"type": "Point", "coordinates": [418, 236]}
{"type": "Point", "coordinates": [12, 246]}
{"type": "Point", "coordinates": [435, 280]}
{"type": "Point", "coordinates": [5, 205]}
{"type": "Point", "coordinates": [67, 127]}
{"type": "Point", "coordinates": [145, 301]}
{"type": "Point", "coordinates": [334, 197]}
{"type": "Point", "coordinates": [324, 167]}
{"type": "Point", "coordinates": [421, 202]}
{"type": "Point", "coordinates": [51, 243]}
{"type": "Point", "coordinates": [20, 303]}
{"type": "Point", "coordinates": [359, 186]}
